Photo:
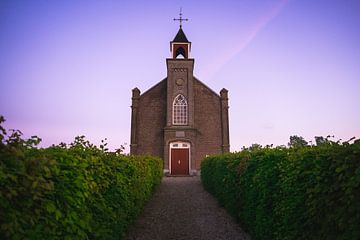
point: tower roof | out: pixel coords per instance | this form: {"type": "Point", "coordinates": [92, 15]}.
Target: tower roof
{"type": "Point", "coordinates": [180, 36]}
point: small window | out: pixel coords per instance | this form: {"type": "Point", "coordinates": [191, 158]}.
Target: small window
{"type": "Point", "coordinates": [180, 110]}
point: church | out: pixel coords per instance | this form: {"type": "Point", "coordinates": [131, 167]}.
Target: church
{"type": "Point", "coordinates": [179, 119]}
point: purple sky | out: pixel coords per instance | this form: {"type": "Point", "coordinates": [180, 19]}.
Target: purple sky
{"type": "Point", "coordinates": [291, 67]}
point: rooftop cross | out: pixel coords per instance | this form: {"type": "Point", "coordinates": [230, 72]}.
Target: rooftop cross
{"type": "Point", "coordinates": [181, 19]}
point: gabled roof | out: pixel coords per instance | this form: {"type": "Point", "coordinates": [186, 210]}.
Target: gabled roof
{"type": "Point", "coordinates": [205, 86]}
{"type": "Point", "coordinates": [180, 36]}
{"type": "Point", "coordinates": [164, 81]}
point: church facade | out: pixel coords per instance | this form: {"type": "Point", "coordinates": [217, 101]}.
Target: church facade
{"type": "Point", "coordinates": [179, 119]}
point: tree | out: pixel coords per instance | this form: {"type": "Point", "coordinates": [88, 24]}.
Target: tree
{"type": "Point", "coordinates": [297, 141]}
{"type": "Point", "coordinates": [320, 140]}
{"type": "Point", "coordinates": [255, 146]}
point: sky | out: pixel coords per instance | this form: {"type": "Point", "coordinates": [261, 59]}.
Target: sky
{"type": "Point", "coordinates": [292, 67]}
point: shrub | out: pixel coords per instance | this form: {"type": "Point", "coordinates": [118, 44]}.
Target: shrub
{"type": "Point", "coordinates": [78, 191]}
{"type": "Point", "coordinates": [307, 192]}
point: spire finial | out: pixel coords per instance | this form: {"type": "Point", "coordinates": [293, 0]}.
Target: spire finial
{"type": "Point", "coordinates": [181, 19]}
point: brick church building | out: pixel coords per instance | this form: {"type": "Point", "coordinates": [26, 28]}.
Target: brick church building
{"type": "Point", "coordinates": [179, 119]}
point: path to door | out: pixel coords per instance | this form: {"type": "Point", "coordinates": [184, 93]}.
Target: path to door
{"type": "Point", "coordinates": [182, 209]}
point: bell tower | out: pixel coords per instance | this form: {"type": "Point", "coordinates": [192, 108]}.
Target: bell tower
{"type": "Point", "coordinates": [179, 132]}
{"type": "Point", "coordinates": [180, 82]}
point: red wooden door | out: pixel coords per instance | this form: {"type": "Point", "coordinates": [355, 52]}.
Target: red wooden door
{"type": "Point", "coordinates": [180, 161]}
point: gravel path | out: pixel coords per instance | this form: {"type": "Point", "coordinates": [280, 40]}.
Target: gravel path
{"type": "Point", "coordinates": [182, 209]}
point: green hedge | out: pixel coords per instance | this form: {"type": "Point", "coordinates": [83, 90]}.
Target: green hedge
{"type": "Point", "coordinates": [310, 192]}
{"type": "Point", "coordinates": [70, 192]}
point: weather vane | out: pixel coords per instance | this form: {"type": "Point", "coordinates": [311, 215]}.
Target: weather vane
{"type": "Point", "coordinates": [181, 19]}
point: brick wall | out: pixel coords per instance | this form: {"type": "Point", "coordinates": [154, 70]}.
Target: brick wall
{"type": "Point", "coordinates": [207, 122]}
{"type": "Point", "coordinates": [151, 121]}
{"type": "Point", "coordinates": [152, 131]}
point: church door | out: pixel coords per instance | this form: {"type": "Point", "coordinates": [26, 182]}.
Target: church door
{"type": "Point", "coordinates": [179, 161]}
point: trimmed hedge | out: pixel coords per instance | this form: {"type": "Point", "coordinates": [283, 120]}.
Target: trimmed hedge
{"type": "Point", "coordinates": [70, 192]}
{"type": "Point", "coordinates": [310, 192]}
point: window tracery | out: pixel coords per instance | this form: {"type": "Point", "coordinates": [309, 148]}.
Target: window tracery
{"type": "Point", "coordinates": [180, 110]}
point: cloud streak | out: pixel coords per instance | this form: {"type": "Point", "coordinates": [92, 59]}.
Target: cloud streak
{"type": "Point", "coordinates": [229, 53]}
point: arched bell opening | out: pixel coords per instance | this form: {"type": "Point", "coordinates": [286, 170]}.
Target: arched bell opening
{"type": "Point", "coordinates": [180, 53]}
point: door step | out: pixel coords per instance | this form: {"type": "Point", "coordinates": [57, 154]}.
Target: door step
{"type": "Point", "coordinates": [178, 175]}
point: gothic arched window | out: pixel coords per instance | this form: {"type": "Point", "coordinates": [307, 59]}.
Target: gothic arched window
{"type": "Point", "coordinates": [180, 110]}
